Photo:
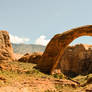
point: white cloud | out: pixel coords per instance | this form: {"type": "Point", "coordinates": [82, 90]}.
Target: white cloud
{"type": "Point", "coordinates": [16, 39]}
{"type": "Point", "coordinates": [42, 40]}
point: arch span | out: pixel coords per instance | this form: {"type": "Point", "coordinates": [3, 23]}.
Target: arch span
{"type": "Point", "coordinates": [57, 45]}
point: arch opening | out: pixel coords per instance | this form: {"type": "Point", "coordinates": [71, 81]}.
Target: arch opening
{"type": "Point", "coordinates": [82, 40]}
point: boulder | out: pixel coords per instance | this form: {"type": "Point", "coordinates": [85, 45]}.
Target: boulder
{"type": "Point", "coordinates": [31, 57]}
{"type": "Point", "coordinates": [6, 50]}
{"type": "Point", "coordinates": [77, 60]}
{"type": "Point", "coordinates": [55, 48]}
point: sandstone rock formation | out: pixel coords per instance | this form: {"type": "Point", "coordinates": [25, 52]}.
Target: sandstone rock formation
{"type": "Point", "coordinates": [17, 56]}
{"type": "Point", "coordinates": [77, 60]}
{"type": "Point", "coordinates": [31, 58]}
{"type": "Point", "coordinates": [55, 49]}
{"type": "Point", "coordinates": [6, 50]}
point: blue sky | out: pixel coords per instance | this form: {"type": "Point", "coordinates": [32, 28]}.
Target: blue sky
{"type": "Point", "coordinates": [37, 21]}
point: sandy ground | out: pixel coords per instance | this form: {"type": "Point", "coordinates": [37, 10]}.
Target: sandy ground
{"type": "Point", "coordinates": [36, 85]}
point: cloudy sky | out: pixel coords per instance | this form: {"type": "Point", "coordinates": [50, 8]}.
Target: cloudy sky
{"type": "Point", "coordinates": [37, 21]}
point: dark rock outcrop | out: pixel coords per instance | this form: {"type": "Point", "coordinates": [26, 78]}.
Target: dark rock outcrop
{"type": "Point", "coordinates": [77, 60]}
{"type": "Point", "coordinates": [31, 58]}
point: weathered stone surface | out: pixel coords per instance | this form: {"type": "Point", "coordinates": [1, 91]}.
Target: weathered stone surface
{"type": "Point", "coordinates": [6, 50]}
{"type": "Point", "coordinates": [57, 45]}
{"type": "Point", "coordinates": [31, 57]}
{"type": "Point", "coordinates": [17, 56]}
{"type": "Point", "coordinates": [77, 60]}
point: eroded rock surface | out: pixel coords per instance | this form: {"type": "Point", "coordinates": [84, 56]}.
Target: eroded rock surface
{"type": "Point", "coordinates": [6, 50]}
{"type": "Point", "coordinates": [55, 49]}
{"type": "Point", "coordinates": [77, 60]}
{"type": "Point", "coordinates": [31, 57]}
{"type": "Point", "coordinates": [38, 85]}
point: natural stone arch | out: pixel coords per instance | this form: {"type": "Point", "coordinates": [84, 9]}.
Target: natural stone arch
{"type": "Point", "coordinates": [57, 45]}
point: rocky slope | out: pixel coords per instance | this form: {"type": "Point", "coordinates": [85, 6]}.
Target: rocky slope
{"type": "Point", "coordinates": [22, 77]}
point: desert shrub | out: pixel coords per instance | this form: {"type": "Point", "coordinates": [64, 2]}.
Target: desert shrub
{"type": "Point", "coordinates": [59, 76]}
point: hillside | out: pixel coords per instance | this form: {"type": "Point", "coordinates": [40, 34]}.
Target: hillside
{"type": "Point", "coordinates": [27, 48]}
{"type": "Point", "coordinates": [23, 77]}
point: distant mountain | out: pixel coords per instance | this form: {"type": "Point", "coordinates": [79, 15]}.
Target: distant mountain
{"type": "Point", "coordinates": [24, 48]}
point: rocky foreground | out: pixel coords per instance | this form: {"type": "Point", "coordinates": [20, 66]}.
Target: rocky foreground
{"type": "Point", "coordinates": [22, 77]}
